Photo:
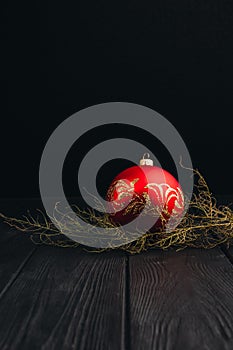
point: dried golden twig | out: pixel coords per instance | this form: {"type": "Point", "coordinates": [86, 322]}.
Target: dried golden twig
{"type": "Point", "coordinates": [205, 225]}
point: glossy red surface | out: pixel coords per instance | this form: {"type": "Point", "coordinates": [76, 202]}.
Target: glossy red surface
{"type": "Point", "coordinates": [163, 190]}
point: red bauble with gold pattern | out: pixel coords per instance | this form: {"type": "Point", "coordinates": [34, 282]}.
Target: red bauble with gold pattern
{"type": "Point", "coordinates": [134, 186]}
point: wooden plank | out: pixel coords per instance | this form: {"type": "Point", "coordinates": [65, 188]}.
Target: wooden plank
{"type": "Point", "coordinates": [229, 253]}
{"type": "Point", "coordinates": [16, 247]}
{"type": "Point", "coordinates": [15, 251]}
{"type": "Point", "coordinates": [181, 300]}
{"type": "Point", "coordinates": [66, 299]}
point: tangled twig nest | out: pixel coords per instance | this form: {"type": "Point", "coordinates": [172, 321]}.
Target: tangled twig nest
{"type": "Point", "coordinates": [205, 225]}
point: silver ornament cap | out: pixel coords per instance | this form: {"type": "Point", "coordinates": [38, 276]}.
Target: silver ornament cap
{"type": "Point", "coordinates": [146, 160]}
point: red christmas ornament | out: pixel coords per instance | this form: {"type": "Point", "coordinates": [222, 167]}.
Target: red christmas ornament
{"type": "Point", "coordinates": [138, 185]}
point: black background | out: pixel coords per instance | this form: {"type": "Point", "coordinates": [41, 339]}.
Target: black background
{"type": "Point", "coordinates": [174, 57]}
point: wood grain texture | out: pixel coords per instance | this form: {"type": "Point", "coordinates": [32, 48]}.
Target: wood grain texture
{"type": "Point", "coordinates": [181, 300]}
{"type": "Point", "coordinates": [229, 253]}
{"type": "Point", "coordinates": [15, 250]}
{"type": "Point", "coordinates": [66, 299]}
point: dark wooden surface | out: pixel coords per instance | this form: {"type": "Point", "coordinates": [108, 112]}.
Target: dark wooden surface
{"type": "Point", "coordinates": [65, 298]}
{"type": "Point", "coordinates": [181, 300]}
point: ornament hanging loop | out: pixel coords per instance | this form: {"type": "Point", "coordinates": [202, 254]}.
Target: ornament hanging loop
{"type": "Point", "coordinates": [146, 155]}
